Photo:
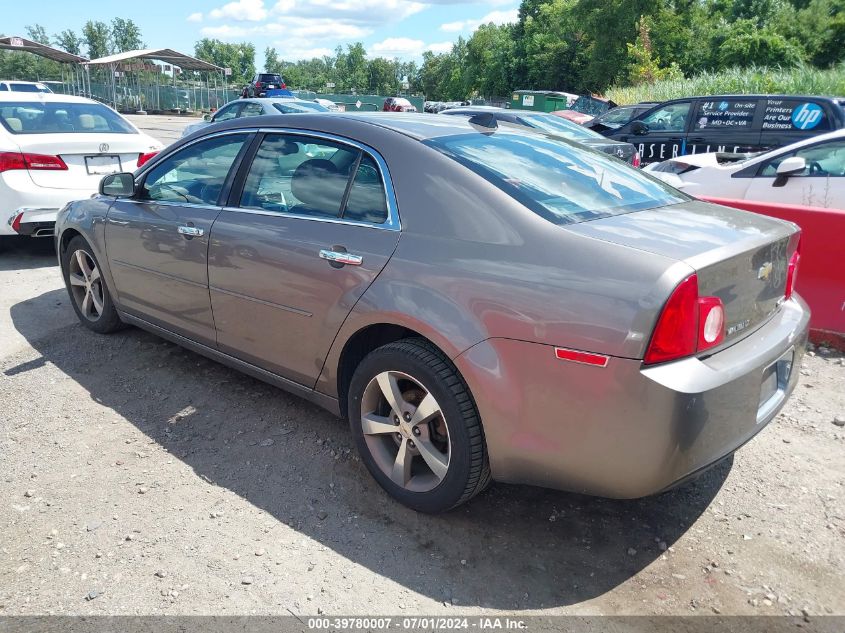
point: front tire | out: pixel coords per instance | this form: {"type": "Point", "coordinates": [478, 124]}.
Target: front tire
{"type": "Point", "coordinates": [416, 426]}
{"type": "Point", "coordinates": [88, 292]}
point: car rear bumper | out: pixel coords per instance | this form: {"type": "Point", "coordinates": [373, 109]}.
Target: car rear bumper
{"type": "Point", "coordinates": [627, 430]}
{"type": "Point", "coordinates": [39, 205]}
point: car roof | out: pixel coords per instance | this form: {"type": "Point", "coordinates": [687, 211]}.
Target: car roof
{"type": "Point", "coordinates": [415, 125]}
{"type": "Point", "coordinates": [754, 96]}
{"type": "Point", "coordinates": [43, 97]}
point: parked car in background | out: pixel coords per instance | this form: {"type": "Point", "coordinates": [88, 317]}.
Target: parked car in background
{"type": "Point", "coordinates": [56, 148]}
{"type": "Point", "coordinates": [728, 123]}
{"type": "Point", "coordinates": [619, 116]}
{"type": "Point", "coordinates": [519, 310]}
{"type": "Point", "coordinates": [551, 124]}
{"type": "Point", "coordinates": [242, 108]}
{"type": "Point", "coordinates": [398, 104]}
{"type": "Point", "coordinates": [261, 83]}
{"type": "Point", "coordinates": [810, 172]}
{"type": "Point", "coordinates": [330, 105]}
{"type": "Point", "coordinates": [24, 86]}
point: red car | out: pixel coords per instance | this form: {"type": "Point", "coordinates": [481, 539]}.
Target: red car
{"type": "Point", "coordinates": [398, 104]}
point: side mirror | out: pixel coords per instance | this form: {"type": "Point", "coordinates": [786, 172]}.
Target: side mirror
{"type": "Point", "coordinates": [639, 128]}
{"type": "Point", "coordinates": [789, 167]}
{"type": "Point", "coordinates": [118, 185]}
{"type": "Point", "coordinates": [206, 117]}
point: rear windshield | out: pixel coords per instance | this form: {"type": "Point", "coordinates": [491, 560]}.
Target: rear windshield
{"type": "Point", "coordinates": [61, 118]}
{"type": "Point", "coordinates": [270, 78]}
{"type": "Point", "coordinates": [28, 88]}
{"type": "Point", "coordinates": [556, 125]}
{"type": "Point", "coordinates": [299, 107]}
{"type": "Point", "coordinates": [560, 181]}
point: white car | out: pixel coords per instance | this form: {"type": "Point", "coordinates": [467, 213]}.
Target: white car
{"type": "Point", "coordinates": [56, 148]}
{"type": "Point", "coordinates": [256, 106]}
{"type": "Point", "coordinates": [810, 172]}
{"type": "Point", "coordinates": [23, 86]}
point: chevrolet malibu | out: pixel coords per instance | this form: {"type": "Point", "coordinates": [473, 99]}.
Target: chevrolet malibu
{"type": "Point", "coordinates": [481, 303]}
{"type": "Point", "coordinates": [56, 148]}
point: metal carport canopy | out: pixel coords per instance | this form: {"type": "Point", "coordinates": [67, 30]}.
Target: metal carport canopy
{"type": "Point", "coordinates": [14, 43]}
{"type": "Point", "coordinates": [166, 55]}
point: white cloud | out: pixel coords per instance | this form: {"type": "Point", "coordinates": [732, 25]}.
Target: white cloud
{"type": "Point", "coordinates": [507, 16]}
{"type": "Point", "coordinates": [295, 53]}
{"type": "Point", "coordinates": [224, 31]}
{"type": "Point", "coordinates": [440, 47]}
{"type": "Point", "coordinates": [195, 17]}
{"type": "Point", "coordinates": [371, 12]}
{"type": "Point", "coordinates": [397, 47]}
{"type": "Point", "coordinates": [241, 10]}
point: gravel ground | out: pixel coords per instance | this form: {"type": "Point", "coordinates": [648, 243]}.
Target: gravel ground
{"type": "Point", "coordinates": [140, 478]}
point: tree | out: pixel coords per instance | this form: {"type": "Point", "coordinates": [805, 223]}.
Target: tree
{"type": "Point", "coordinates": [96, 35]}
{"type": "Point", "coordinates": [239, 57]}
{"type": "Point", "coordinates": [38, 33]}
{"type": "Point", "coordinates": [125, 36]}
{"type": "Point", "coordinates": [744, 44]}
{"type": "Point", "coordinates": [271, 61]}
{"type": "Point", "coordinates": [644, 65]}
{"type": "Point", "coordinates": [381, 76]}
{"type": "Point", "coordinates": [69, 41]}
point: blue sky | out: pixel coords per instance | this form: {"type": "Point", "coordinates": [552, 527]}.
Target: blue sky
{"type": "Point", "coordinates": [296, 28]}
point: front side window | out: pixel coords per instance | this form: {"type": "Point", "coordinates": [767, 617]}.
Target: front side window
{"type": "Point", "coordinates": [823, 160]}
{"type": "Point", "coordinates": [65, 118]}
{"type": "Point", "coordinates": [228, 112]}
{"type": "Point", "coordinates": [669, 118]}
{"type": "Point", "coordinates": [299, 175]}
{"type": "Point", "coordinates": [195, 174]}
{"type": "Point", "coordinates": [557, 180]}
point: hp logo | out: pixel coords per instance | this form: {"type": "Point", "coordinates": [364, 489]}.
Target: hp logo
{"type": "Point", "coordinates": [807, 116]}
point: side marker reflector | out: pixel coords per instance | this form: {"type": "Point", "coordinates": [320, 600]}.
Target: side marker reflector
{"type": "Point", "coordinates": [585, 358]}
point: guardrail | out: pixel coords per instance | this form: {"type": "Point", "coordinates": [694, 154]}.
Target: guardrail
{"type": "Point", "coordinates": [821, 275]}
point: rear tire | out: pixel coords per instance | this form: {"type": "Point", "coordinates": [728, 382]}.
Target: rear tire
{"type": "Point", "coordinates": [416, 426]}
{"type": "Point", "coordinates": [89, 294]}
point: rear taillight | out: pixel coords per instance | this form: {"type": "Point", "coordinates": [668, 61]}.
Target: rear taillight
{"type": "Point", "coordinates": [792, 272]}
{"type": "Point", "coordinates": [18, 160]}
{"type": "Point", "coordinates": [635, 160]}
{"type": "Point", "coordinates": [16, 223]}
{"type": "Point", "coordinates": [283, 86]}
{"type": "Point", "coordinates": [143, 158]}
{"type": "Point", "coordinates": [257, 84]}
{"type": "Point", "coordinates": [687, 325]}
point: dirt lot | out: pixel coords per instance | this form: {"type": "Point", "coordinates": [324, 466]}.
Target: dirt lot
{"type": "Point", "coordinates": [139, 478]}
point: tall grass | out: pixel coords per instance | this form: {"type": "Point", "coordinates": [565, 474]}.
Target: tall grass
{"type": "Point", "coordinates": [755, 80]}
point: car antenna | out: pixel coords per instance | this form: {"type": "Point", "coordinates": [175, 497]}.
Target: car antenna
{"type": "Point", "coordinates": [485, 120]}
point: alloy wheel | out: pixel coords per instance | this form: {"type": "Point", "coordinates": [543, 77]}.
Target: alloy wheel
{"type": "Point", "coordinates": [86, 285]}
{"type": "Point", "coordinates": [405, 431]}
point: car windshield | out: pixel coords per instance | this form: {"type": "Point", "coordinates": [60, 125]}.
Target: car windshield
{"type": "Point", "coordinates": [61, 118]}
{"type": "Point", "coordinates": [556, 125]}
{"type": "Point", "coordinates": [560, 181]}
{"type": "Point", "coordinates": [616, 117]}
{"type": "Point", "coordinates": [293, 108]}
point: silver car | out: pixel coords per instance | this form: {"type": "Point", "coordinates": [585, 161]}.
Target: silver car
{"type": "Point", "coordinates": [480, 303]}
{"type": "Point", "coordinates": [242, 108]}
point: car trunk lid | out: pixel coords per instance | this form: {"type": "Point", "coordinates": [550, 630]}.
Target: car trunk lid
{"type": "Point", "coordinates": [740, 257]}
{"type": "Point", "coordinates": [88, 157]}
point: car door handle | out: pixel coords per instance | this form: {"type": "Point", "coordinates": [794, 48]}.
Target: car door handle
{"type": "Point", "coordinates": [339, 257]}
{"type": "Point", "coordinates": [190, 231]}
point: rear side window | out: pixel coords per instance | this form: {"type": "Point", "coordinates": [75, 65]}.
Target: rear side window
{"type": "Point", "coordinates": [558, 180]}
{"type": "Point", "coordinates": [65, 118]}
{"type": "Point", "coordinates": [298, 175]}
{"type": "Point", "coordinates": [725, 114]}
{"type": "Point", "coordinates": [795, 114]}
{"type": "Point", "coordinates": [366, 201]}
